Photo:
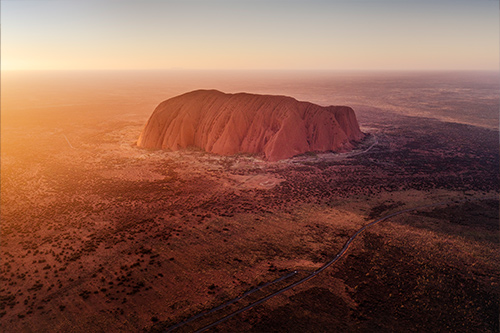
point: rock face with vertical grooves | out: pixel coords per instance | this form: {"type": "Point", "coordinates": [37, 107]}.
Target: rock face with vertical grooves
{"type": "Point", "coordinates": [277, 127]}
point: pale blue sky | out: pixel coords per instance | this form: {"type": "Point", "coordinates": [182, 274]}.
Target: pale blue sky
{"type": "Point", "coordinates": [253, 34]}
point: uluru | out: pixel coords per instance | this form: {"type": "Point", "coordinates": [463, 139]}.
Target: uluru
{"type": "Point", "coordinates": [277, 127]}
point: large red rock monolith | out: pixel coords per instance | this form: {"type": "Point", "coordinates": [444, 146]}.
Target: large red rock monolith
{"type": "Point", "coordinates": [278, 127]}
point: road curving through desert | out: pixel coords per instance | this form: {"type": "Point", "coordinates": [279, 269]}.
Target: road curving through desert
{"type": "Point", "coordinates": [313, 274]}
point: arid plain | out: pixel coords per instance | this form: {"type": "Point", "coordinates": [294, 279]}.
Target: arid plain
{"type": "Point", "coordinates": [100, 235]}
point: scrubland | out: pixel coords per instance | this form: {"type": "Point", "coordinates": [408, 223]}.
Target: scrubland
{"type": "Point", "coordinates": [99, 235]}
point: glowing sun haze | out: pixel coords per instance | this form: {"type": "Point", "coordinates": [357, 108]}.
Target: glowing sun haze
{"type": "Point", "coordinates": [253, 34]}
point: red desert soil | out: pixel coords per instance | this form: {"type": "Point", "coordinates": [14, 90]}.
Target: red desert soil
{"type": "Point", "coordinates": [278, 127]}
{"type": "Point", "coordinates": [98, 234]}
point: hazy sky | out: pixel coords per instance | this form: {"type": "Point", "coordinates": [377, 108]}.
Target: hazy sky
{"type": "Point", "coordinates": [250, 34]}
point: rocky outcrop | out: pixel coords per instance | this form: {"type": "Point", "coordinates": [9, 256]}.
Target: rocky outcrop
{"type": "Point", "coordinates": [278, 127]}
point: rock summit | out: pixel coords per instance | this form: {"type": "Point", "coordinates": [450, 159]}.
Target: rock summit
{"type": "Point", "coordinates": [277, 127]}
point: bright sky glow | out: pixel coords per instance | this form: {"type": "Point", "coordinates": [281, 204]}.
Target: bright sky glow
{"type": "Point", "coordinates": [253, 34]}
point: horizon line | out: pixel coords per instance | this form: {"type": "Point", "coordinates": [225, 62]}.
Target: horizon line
{"type": "Point", "coordinates": [254, 70]}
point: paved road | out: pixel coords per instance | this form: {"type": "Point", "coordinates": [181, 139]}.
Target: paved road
{"type": "Point", "coordinates": [234, 300]}
{"type": "Point", "coordinates": [312, 275]}
{"type": "Point", "coordinates": [69, 143]}
{"type": "Point", "coordinates": [333, 156]}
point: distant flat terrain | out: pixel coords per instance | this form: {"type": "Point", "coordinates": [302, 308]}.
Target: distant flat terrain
{"type": "Point", "coordinates": [98, 234]}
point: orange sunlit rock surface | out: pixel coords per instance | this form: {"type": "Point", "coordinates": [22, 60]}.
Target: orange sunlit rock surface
{"type": "Point", "coordinates": [278, 127]}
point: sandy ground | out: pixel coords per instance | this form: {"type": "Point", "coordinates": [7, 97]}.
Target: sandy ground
{"type": "Point", "coordinates": [98, 235]}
